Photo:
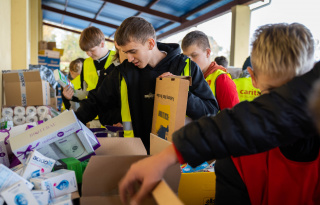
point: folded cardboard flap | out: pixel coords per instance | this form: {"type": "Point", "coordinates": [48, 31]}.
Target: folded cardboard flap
{"type": "Point", "coordinates": [120, 146]}
{"type": "Point", "coordinates": [103, 173]}
{"type": "Point", "coordinates": [180, 77]}
{"type": "Point", "coordinates": [157, 144]}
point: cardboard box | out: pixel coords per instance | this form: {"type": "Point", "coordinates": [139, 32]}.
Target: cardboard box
{"type": "Point", "coordinates": [118, 154]}
{"type": "Point", "coordinates": [42, 60]}
{"type": "Point", "coordinates": [25, 88]}
{"type": "Point", "coordinates": [49, 139]}
{"type": "Point", "coordinates": [194, 188]}
{"type": "Point", "coordinates": [170, 104]}
{"type": "Point", "coordinates": [43, 45]}
{"type": "Point", "coordinates": [54, 102]}
{"type": "Point", "coordinates": [60, 50]}
{"type": "Point", "coordinates": [51, 45]}
{"type": "Point", "coordinates": [50, 53]}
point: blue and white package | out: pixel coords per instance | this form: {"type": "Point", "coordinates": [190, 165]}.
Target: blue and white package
{"type": "Point", "coordinates": [18, 194]}
{"type": "Point", "coordinates": [18, 169]}
{"type": "Point", "coordinates": [37, 164]}
{"type": "Point", "coordinates": [41, 196]}
{"type": "Point", "coordinates": [58, 183]}
{"type": "Point", "coordinates": [62, 200]}
{"type": "Point", "coordinates": [189, 169]}
{"type": "Point", "coordinates": [8, 178]}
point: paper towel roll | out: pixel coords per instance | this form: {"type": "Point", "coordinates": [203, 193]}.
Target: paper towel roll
{"type": "Point", "coordinates": [43, 111]}
{"type": "Point", "coordinates": [31, 118]}
{"type": "Point", "coordinates": [19, 110]}
{"type": "Point", "coordinates": [31, 111]}
{"type": "Point", "coordinates": [7, 111]}
{"type": "Point", "coordinates": [19, 119]}
{"type": "Point", "coordinates": [6, 118]}
{"type": "Point", "coordinates": [45, 117]}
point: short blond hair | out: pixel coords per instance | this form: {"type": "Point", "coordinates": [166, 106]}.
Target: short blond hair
{"type": "Point", "coordinates": [90, 38]}
{"type": "Point", "coordinates": [76, 65]}
{"type": "Point", "coordinates": [285, 50]}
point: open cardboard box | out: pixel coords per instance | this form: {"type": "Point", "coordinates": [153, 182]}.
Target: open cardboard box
{"type": "Point", "coordinates": [113, 159]}
{"type": "Point", "coordinates": [197, 188]}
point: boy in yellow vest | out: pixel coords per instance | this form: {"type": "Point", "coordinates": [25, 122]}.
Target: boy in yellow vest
{"type": "Point", "coordinates": [196, 46]}
{"type": "Point", "coordinates": [92, 41]}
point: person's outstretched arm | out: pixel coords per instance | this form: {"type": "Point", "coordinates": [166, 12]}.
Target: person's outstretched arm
{"type": "Point", "coordinates": [230, 134]}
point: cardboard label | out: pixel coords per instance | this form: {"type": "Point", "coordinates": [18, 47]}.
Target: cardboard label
{"type": "Point", "coordinates": [170, 106]}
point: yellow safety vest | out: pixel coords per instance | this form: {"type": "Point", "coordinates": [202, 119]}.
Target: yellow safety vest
{"type": "Point", "coordinates": [125, 110]}
{"type": "Point", "coordinates": [245, 89]}
{"type": "Point", "coordinates": [211, 79]}
{"type": "Point", "coordinates": [90, 72]}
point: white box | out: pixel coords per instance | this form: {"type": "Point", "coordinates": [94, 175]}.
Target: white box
{"type": "Point", "coordinates": [37, 164]}
{"type": "Point", "coordinates": [6, 135]}
{"type": "Point", "coordinates": [41, 196]}
{"type": "Point", "coordinates": [18, 194]}
{"type": "Point", "coordinates": [4, 159]}
{"type": "Point", "coordinates": [62, 200]}
{"type": "Point", "coordinates": [51, 135]}
{"type": "Point", "coordinates": [18, 169]}
{"type": "Point", "coordinates": [58, 183]}
{"type": "Point", "coordinates": [8, 178]}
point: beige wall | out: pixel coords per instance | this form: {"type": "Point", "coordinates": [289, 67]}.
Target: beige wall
{"type": "Point", "coordinates": [5, 34]}
{"type": "Point", "coordinates": [34, 30]}
{"type": "Point", "coordinates": [240, 32]}
{"type": "Point", "coordinates": [20, 42]}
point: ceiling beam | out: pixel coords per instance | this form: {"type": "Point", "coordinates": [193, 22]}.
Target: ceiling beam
{"type": "Point", "coordinates": [65, 8]}
{"type": "Point", "coordinates": [206, 17]}
{"type": "Point", "coordinates": [145, 10]}
{"type": "Point", "coordinates": [70, 30]}
{"type": "Point", "coordinates": [99, 12]}
{"type": "Point", "coordinates": [137, 14]}
{"type": "Point", "coordinates": [48, 8]}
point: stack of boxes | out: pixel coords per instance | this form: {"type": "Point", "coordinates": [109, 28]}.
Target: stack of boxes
{"type": "Point", "coordinates": [49, 56]}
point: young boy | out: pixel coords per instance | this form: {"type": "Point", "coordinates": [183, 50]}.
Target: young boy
{"type": "Point", "coordinates": [276, 119]}
{"type": "Point", "coordinates": [196, 46]}
{"type": "Point", "coordinates": [92, 41]}
{"type": "Point", "coordinates": [127, 93]}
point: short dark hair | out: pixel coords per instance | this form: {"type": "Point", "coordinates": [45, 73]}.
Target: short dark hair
{"type": "Point", "coordinates": [221, 60]}
{"type": "Point", "coordinates": [90, 38]}
{"type": "Point", "coordinates": [134, 28]}
{"type": "Point", "coordinates": [195, 37]}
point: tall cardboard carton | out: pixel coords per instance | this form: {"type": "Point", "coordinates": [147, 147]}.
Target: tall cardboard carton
{"type": "Point", "coordinates": [25, 88]}
{"type": "Point", "coordinates": [170, 104]}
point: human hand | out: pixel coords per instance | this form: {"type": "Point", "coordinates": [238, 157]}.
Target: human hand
{"type": "Point", "coordinates": [148, 172]}
{"type": "Point", "coordinates": [166, 74]}
{"type": "Point", "coordinates": [118, 125]}
{"type": "Point", "coordinates": [68, 92]}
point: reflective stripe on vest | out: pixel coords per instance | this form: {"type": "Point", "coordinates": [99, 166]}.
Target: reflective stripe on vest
{"type": "Point", "coordinates": [211, 79]}
{"type": "Point", "coordinates": [90, 72]}
{"type": "Point", "coordinates": [125, 110]}
{"type": "Point", "coordinates": [245, 89]}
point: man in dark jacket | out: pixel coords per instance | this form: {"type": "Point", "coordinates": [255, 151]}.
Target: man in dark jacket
{"type": "Point", "coordinates": [278, 118]}
{"type": "Point", "coordinates": [146, 61]}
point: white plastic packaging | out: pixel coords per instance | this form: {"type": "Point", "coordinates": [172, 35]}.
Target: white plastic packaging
{"type": "Point", "coordinates": [58, 183]}
{"type": "Point", "coordinates": [18, 194]}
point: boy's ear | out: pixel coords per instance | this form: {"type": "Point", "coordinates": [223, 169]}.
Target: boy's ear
{"type": "Point", "coordinates": [208, 52]}
{"type": "Point", "coordinates": [102, 44]}
{"type": "Point", "coordinates": [151, 43]}
{"type": "Point", "coordinates": [253, 78]}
